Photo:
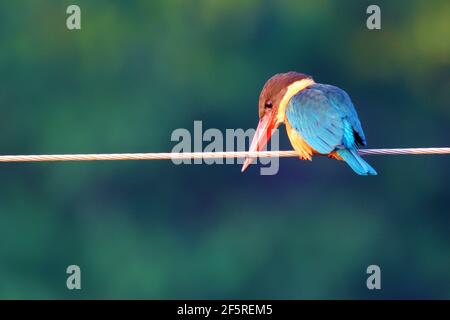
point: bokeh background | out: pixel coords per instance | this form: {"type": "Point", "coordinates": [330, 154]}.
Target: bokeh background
{"type": "Point", "coordinates": [140, 69]}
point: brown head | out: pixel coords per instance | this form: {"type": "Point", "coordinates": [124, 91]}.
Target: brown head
{"type": "Point", "coordinates": [273, 99]}
{"type": "Point", "coordinates": [275, 89]}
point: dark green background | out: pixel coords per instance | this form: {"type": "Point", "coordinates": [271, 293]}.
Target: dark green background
{"type": "Point", "coordinates": [140, 69]}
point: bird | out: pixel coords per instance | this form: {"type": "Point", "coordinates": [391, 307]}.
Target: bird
{"type": "Point", "coordinates": [320, 119]}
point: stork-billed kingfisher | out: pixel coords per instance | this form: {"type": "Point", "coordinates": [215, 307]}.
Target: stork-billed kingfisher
{"type": "Point", "coordinates": [319, 119]}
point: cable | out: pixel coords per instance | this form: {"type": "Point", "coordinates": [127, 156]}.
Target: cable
{"type": "Point", "coordinates": [202, 155]}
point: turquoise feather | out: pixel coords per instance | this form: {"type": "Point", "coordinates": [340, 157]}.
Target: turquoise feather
{"type": "Point", "coordinates": [327, 120]}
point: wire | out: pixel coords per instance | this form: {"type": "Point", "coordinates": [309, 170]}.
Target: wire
{"type": "Point", "coordinates": [202, 155]}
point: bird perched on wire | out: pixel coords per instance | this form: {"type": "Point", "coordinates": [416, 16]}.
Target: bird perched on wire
{"type": "Point", "coordinates": [319, 119]}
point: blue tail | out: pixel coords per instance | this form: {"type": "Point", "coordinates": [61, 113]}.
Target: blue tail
{"type": "Point", "coordinates": [355, 162]}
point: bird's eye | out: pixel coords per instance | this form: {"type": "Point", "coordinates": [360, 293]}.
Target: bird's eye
{"type": "Point", "coordinates": [268, 105]}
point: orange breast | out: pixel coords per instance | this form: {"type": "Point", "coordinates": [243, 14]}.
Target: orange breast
{"type": "Point", "coordinates": [298, 143]}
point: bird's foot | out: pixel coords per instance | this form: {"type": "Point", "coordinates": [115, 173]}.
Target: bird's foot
{"type": "Point", "coordinates": [334, 155]}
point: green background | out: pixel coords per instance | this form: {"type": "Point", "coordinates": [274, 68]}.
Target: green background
{"type": "Point", "coordinates": [137, 70]}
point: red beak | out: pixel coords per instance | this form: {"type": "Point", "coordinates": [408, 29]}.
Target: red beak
{"type": "Point", "coordinates": [261, 137]}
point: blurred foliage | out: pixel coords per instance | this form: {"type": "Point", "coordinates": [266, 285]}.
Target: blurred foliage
{"type": "Point", "coordinates": [140, 69]}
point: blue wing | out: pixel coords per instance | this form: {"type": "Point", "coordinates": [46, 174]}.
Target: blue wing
{"type": "Point", "coordinates": [327, 120]}
{"type": "Point", "coordinates": [340, 99]}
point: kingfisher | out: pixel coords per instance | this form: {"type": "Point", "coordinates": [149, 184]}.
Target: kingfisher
{"type": "Point", "coordinates": [319, 118]}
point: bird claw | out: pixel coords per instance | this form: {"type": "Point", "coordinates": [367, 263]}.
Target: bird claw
{"type": "Point", "coordinates": [305, 158]}
{"type": "Point", "coordinates": [335, 156]}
